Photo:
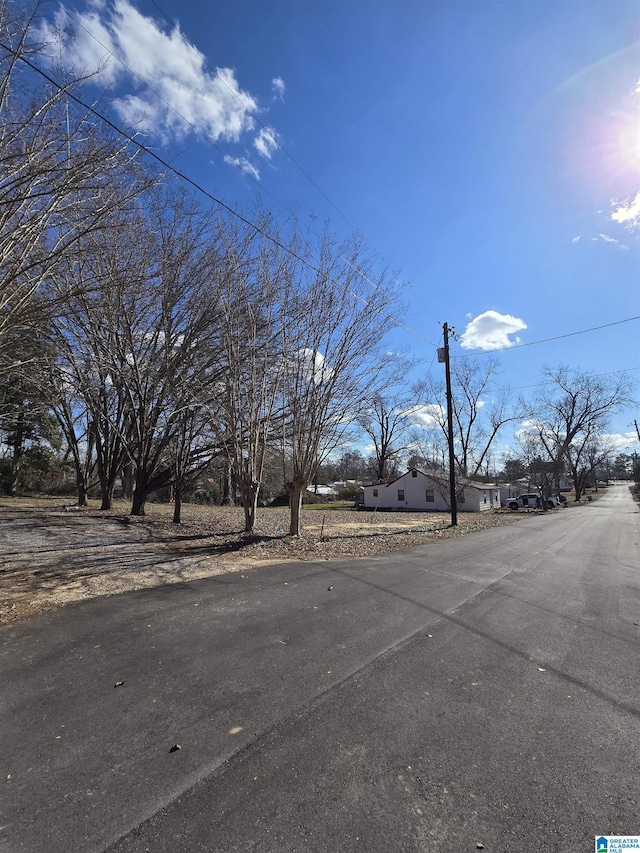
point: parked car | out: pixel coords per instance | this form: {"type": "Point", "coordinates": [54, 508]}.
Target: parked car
{"type": "Point", "coordinates": [532, 501]}
{"type": "Point", "coordinates": [560, 498]}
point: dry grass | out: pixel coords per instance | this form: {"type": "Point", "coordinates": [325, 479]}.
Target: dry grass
{"type": "Point", "coordinates": [52, 555]}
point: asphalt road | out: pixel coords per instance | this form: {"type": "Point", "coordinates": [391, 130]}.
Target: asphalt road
{"type": "Point", "coordinates": [479, 691]}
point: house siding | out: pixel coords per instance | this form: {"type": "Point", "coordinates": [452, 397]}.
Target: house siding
{"type": "Point", "coordinates": [409, 492]}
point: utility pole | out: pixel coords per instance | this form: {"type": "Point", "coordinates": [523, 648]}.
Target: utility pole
{"type": "Point", "coordinates": [443, 356]}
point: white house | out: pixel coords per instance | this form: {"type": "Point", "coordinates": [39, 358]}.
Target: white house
{"type": "Point", "coordinates": [325, 491]}
{"type": "Point", "coordinates": [417, 490]}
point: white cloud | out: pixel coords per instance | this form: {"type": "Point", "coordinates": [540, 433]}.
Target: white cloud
{"type": "Point", "coordinates": [491, 330]}
{"type": "Point", "coordinates": [527, 427]}
{"type": "Point", "coordinates": [244, 165]}
{"type": "Point", "coordinates": [429, 416]}
{"type": "Point", "coordinates": [311, 366]}
{"type": "Point", "coordinates": [266, 142]}
{"type": "Point", "coordinates": [607, 239]}
{"type": "Point", "coordinates": [628, 213]}
{"type": "Point", "coordinates": [620, 442]}
{"type": "Point", "coordinates": [211, 102]}
{"type": "Point", "coordinates": [576, 239]}
{"type": "Point", "coordinates": [278, 87]}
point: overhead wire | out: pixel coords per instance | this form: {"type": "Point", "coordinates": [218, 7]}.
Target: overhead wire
{"type": "Point", "coordinates": [184, 177]}
{"type": "Point", "coordinates": [253, 115]}
{"type": "Point", "coordinates": [551, 382]}
{"type": "Point", "coordinates": [246, 172]}
{"type": "Point", "coordinates": [546, 340]}
{"type": "Point", "coordinates": [225, 155]}
{"type": "Point", "coordinates": [166, 165]}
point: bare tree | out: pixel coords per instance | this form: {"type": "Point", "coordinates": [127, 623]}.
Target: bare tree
{"type": "Point", "coordinates": [387, 420]}
{"type": "Point", "coordinates": [61, 173]}
{"type": "Point", "coordinates": [191, 452]}
{"type": "Point", "coordinates": [77, 425]}
{"type": "Point", "coordinates": [479, 413]}
{"type": "Point", "coordinates": [540, 471]}
{"type": "Point", "coordinates": [165, 338]}
{"type": "Point", "coordinates": [330, 335]}
{"type": "Point", "coordinates": [133, 340]}
{"type": "Point", "coordinates": [85, 295]}
{"type": "Point", "coordinates": [250, 313]}
{"type": "Point", "coordinates": [571, 412]}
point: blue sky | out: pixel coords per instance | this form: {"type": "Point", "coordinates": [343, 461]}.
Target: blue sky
{"type": "Point", "coordinates": [490, 151]}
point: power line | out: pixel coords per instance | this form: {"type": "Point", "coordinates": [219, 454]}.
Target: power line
{"type": "Point", "coordinates": [256, 118]}
{"type": "Point", "coordinates": [166, 165]}
{"type": "Point", "coordinates": [551, 381]}
{"type": "Point", "coordinates": [547, 340]}
{"type": "Point", "coordinates": [182, 176]}
{"type": "Point", "coordinates": [227, 158]}
{"type": "Point", "coordinates": [174, 109]}
{"type": "Point", "coordinates": [233, 92]}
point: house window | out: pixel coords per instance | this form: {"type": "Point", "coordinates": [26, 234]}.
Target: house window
{"type": "Point", "coordinates": [400, 494]}
{"type": "Point", "coordinates": [430, 496]}
{"type": "Point", "coordinates": [460, 497]}
{"type": "Point", "coordinates": [375, 493]}
{"type": "Point", "coordinates": [414, 473]}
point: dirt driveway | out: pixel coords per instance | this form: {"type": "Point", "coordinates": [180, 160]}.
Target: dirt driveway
{"type": "Point", "coordinates": [51, 556]}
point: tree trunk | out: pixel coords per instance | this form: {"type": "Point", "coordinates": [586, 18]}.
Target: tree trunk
{"type": "Point", "coordinates": [82, 494]}
{"type": "Point", "coordinates": [578, 484]}
{"type": "Point", "coordinates": [250, 504]}
{"type": "Point", "coordinates": [140, 492]}
{"type": "Point", "coordinates": [107, 468]}
{"type": "Point", "coordinates": [227, 487]}
{"type": "Point", "coordinates": [139, 500]}
{"type": "Point", "coordinates": [127, 481]}
{"type": "Point", "coordinates": [295, 505]}
{"type": "Point", "coordinates": [81, 480]}
{"type": "Point", "coordinates": [16, 456]}
{"type": "Point", "coordinates": [106, 489]}
{"type": "Point", "coordinates": [107, 497]}
{"type": "Point", "coordinates": [177, 504]}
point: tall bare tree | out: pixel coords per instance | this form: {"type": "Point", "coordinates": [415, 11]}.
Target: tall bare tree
{"type": "Point", "coordinates": [571, 412]}
{"type": "Point", "coordinates": [331, 332]}
{"type": "Point", "coordinates": [133, 340]}
{"type": "Point", "coordinates": [165, 341]}
{"type": "Point", "coordinates": [61, 172]}
{"type": "Point", "coordinates": [387, 420]}
{"type": "Point", "coordinates": [479, 413]}
{"type": "Point", "coordinates": [250, 313]}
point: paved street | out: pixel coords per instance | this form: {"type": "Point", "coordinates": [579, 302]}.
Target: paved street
{"type": "Point", "coordinates": [479, 691]}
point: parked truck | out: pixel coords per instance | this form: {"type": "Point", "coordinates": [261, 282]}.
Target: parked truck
{"type": "Point", "coordinates": [532, 501]}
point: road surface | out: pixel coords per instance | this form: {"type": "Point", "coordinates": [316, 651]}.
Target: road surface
{"type": "Point", "coordinates": [479, 691]}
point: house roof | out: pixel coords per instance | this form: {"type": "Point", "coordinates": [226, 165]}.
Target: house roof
{"type": "Point", "coordinates": [441, 481]}
{"type": "Point", "coordinates": [322, 490]}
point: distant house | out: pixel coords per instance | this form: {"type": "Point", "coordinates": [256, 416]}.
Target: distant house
{"type": "Point", "coordinates": [419, 491]}
{"type": "Point", "coordinates": [325, 491]}
{"type": "Point", "coordinates": [340, 485]}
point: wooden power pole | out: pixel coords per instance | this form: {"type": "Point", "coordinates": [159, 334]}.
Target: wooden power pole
{"type": "Point", "coordinates": [443, 356]}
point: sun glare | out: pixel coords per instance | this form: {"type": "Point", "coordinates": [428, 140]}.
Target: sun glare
{"type": "Point", "coordinates": [629, 142]}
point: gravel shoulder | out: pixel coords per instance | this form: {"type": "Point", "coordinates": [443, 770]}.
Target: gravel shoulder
{"type": "Point", "coordinates": [52, 555]}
